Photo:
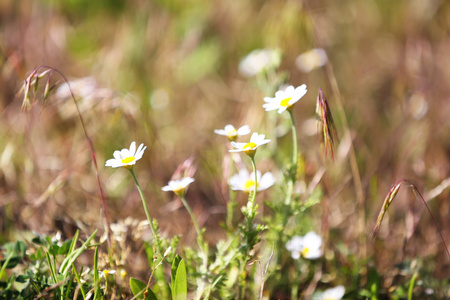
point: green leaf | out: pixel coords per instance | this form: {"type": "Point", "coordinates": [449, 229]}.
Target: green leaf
{"type": "Point", "coordinates": [53, 250]}
{"type": "Point", "coordinates": [138, 287]}
{"type": "Point", "coordinates": [149, 252]}
{"type": "Point", "coordinates": [22, 278]}
{"type": "Point", "coordinates": [64, 249]}
{"type": "Point", "coordinates": [179, 285]}
{"type": "Point", "coordinates": [176, 261]}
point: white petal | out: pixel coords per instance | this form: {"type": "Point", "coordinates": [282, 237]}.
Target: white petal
{"type": "Point", "coordinates": [238, 145]}
{"type": "Point", "coordinates": [117, 155]}
{"type": "Point", "coordinates": [281, 109]}
{"type": "Point", "coordinates": [166, 188]}
{"type": "Point", "coordinates": [124, 153]}
{"type": "Point", "coordinates": [186, 181]}
{"type": "Point", "coordinates": [254, 138]}
{"type": "Point", "coordinates": [229, 128]}
{"type": "Point", "coordinates": [140, 151]}
{"type": "Point", "coordinates": [334, 293]}
{"type": "Point", "coordinates": [313, 253]}
{"type": "Point", "coordinates": [267, 180]}
{"type": "Point", "coordinates": [312, 240]}
{"type": "Point", "coordinates": [295, 244]}
{"type": "Point", "coordinates": [244, 130]}
{"type": "Point", "coordinates": [271, 106]}
{"type": "Point", "coordinates": [280, 95]}
{"type": "Point", "coordinates": [235, 182]}
{"type": "Point", "coordinates": [220, 131]}
{"type": "Point", "coordinates": [132, 150]}
{"type": "Point", "coordinates": [112, 163]}
{"type": "Point", "coordinates": [295, 254]}
{"type": "Point", "coordinates": [289, 90]}
{"type": "Point", "coordinates": [270, 99]}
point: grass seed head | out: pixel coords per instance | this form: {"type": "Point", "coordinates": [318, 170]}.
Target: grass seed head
{"type": "Point", "coordinates": [325, 125]}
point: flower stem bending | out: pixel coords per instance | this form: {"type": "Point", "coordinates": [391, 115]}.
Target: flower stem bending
{"type": "Point", "coordinates": [144, 203]}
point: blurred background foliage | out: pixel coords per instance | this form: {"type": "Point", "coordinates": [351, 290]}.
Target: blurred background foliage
{"type": "Point", "coordinates": [165, 73]}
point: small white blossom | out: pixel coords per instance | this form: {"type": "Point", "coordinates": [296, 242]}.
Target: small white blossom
{"type": "Point", "coordinates": [310, 60]}
{"type": "Point", "coordinates": [178, 186]}
{"type": "Point", "coordinates": [285, 99]}
{"type": "Point", "coordinates": [335, 293]}
{"type": "Point", "coordinates": [232, 133]}
{"type": "Point", "coordinates": [126, 157]}
{"type": "Point", "coordinates": [250, 148]}
{"type": "Point", "coordinates": [308, 246]}
{"type": "Point", "coordinates": [258, 61]}
{"type": "Point", "coordinates": [105, 273]}
{"type": "Point", "coordinates": [243, 181]}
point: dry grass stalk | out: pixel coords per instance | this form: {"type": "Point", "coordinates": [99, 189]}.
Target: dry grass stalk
{"type": "Point", "coordinates": [387, 202]}
{"type": "Point", "coordinates": [33, 81]}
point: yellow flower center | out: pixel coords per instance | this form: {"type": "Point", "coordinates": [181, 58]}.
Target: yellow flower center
{"type": "Point", "coordinates": [250, 185]}
{"type": "Point", "coordinates": [233, 133]}
{"type": "Point", "coordinates": [305, 251]}
{"type": "Point", "coordinates": [285, 102]}
{"type": "Point", "coordinates": [179, 191]}
{"type": "Point", "coordinates": [106, 273]}
{"type": "Point", "coordinates": [128, 160]}
{"type": "Point", "coordinates": [249, 146]}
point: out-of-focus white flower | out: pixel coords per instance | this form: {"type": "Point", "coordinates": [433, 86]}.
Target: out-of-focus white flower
{"type": "Point", "coordinates": [310, 60]}
{"type": "Point", "coordinates": [335, 293]}
{"type": "Point", "coordinates": [232, 133]}
{"type": "Point", "coordinates": [126, 157]}
{"type": "Point", "coordinates": [105, 273]}
{"type": "Point", "coordinates": [243, 181]}
{"type": "Point", "coordinates": [308, 246]}
{"type": "Point", "coordinates": [258, 61]}
{"type": "Point", "coordinates": [178, 186]}
{"type": "Point", "coordinates": [250, 148]}
{"type": "Point", "coordinates": [123, 273]}
{"type": "Point", "coordinates": [285, 99]}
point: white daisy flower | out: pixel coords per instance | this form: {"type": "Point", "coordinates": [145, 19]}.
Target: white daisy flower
{"type": "Point", "coordinates": [178, 186]}
{"type": "Point", "coordinates": [232, 133]}
{"type": "Point", "coordinates": [105, 273]}
{"type": "Point", "coordinates": [126, 157]}
{"type": "Point", "coordinates": [335, 293]}
{"type": "Point", "coordinates": [285, 99]}
{"type": "Point", "coordinates": [258, 61]}
{"type": "Point", "coordinates": [250, 148]}
{"type": "Point", "coordinates": [243, 181]}
{"type": "Point", "coordinates": [310, 60]}
{"type": "Point", "coordinates": [308, 246]}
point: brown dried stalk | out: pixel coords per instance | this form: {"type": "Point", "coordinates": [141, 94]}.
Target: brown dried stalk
{"type": "Point", "coordinates": [387, 202]}
{"type": "Point", "coordinates": [33, 81]}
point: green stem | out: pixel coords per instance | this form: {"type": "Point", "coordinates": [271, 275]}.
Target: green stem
{"type": "Point", "coordinates": [202, 245]}
{"type": "Point", "coordinates": [411, 286]}
{"type": "Point", "coordinates": [251, 213]}
{"type": "Point", "coordinates": [256, 183]}
{"type": "Point", "coordinates": [294, 290]}
{"type": "Point", "coordinates": [231, 205]}
{"type": "Point", "coordinates": [294, 141]}
{"type": "Point", "coordinates": [194, 220]}
{"type": "Point", "coordinates": [293, 169]}
{"type": "Point", "coordinates": [144, 203]}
